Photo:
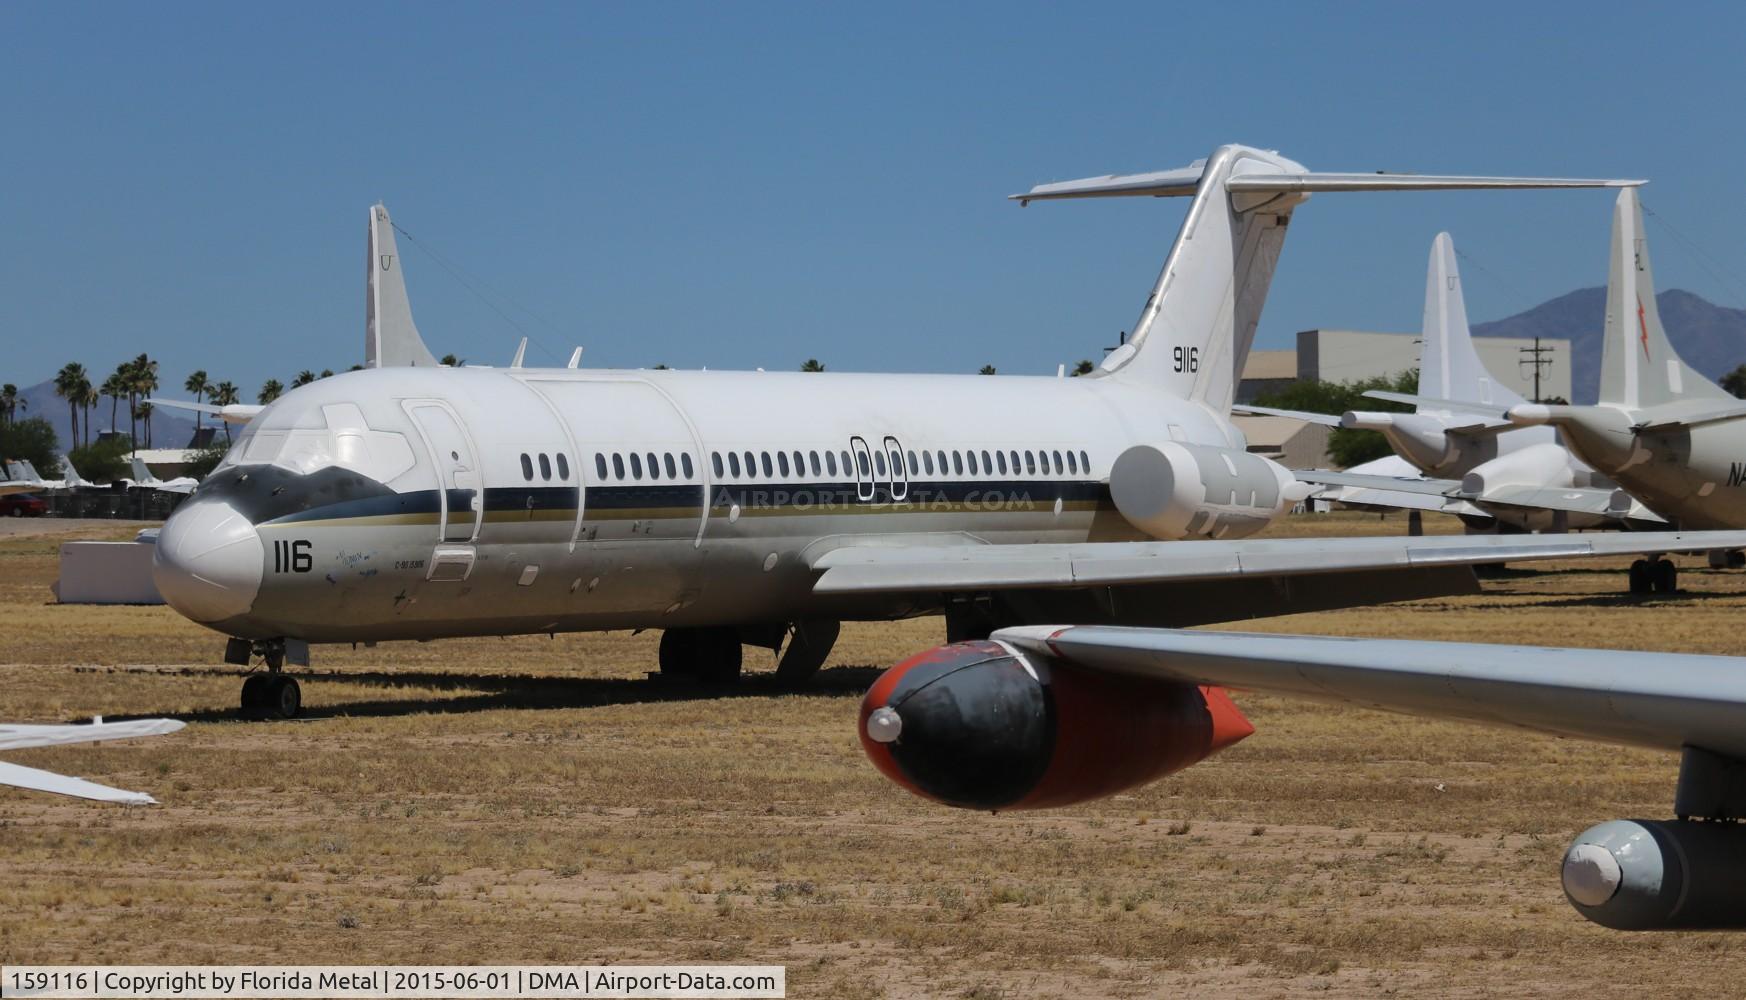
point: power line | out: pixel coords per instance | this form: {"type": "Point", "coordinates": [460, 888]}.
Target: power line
{"type": "Point", "coordinates": [1535, 357]}
{"type": "Point", "coordinates": [456, 273]}
{"type": "Point", "coordinates": [1704, 259]}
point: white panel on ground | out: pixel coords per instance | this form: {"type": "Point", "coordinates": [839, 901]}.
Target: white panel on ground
{"type": "Point", "coordinates": [107, 573]}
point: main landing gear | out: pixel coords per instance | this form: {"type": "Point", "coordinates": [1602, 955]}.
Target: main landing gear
{"type": "Point", "coordinates": [1655, 575]}
{"type": "Point", "coordinates": [274, 694]}
{"type": "Point", "coordinates": [713, 655]}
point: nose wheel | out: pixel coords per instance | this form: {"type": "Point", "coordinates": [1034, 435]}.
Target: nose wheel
{"type": "Point", "coordinates": [274, 694]}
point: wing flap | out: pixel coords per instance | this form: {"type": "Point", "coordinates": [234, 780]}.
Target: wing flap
{"type": "Point", "coordinates": [1644, 699]}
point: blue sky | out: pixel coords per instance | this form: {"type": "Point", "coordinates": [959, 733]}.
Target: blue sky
{"type": "Point", "coordinates": [755, 184]}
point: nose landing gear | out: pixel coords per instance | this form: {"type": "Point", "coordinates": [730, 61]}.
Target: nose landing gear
{"type": "Point", "coordinates": [274, 694]}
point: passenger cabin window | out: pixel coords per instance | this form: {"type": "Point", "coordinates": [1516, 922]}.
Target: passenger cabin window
{"type": "Point", "coordinates": [617, 466]}
{"type": "Point", "coordinates": [1002, 456]}
{"type": "Point", "coordinates": [928, 462]}
{"type": "Point", "coordinates": [769, 467]}
{"type": "Point", "coordinates": [1015, 461]}
{"type": "Point", "coordinates": [879, 462]}
{"type": "Point", "coordinates": [599, 465]}
{"type": "Point", "coordinates": [958, 463]}
{"type": "Point", "coordinates": [914, 466]}
{"type": "Point", "coordinates": [751, 465]}
{"type": "Point", "coordinates": [816, 470]}
{"type": "Point", "coordinates": [563, 467]}
{"type": "Point", "coordinates": [545, 467]}
{"type": "Point", "coordinates": [861, 460]}
{"type": "Point", "coordinates": [799, 464]}
{"type": "Point", "coordinates": [672, 469]}
{"type": "Point", "coordinates": [987, 465]}
{"type": "Point", "coordinates": [847, 466]}
{"type": "Point", "coordinates": [715, 463]}
{"type": "Point", "coordinates": [1085, 463]}
{"type": "Point", "coordinates": [1072, 464]}
{"type": "Point", "coordinates": [636, 466]}
{"type": "Point", "coordinates": [526, 467]}
{"type": "Point", "coordinates": [782, 462]}
{"type": "Point", "coordinates": [734, 463]}
{"type": "Point", "coordinates": [831, 462]}
{"type": "Point", "coordinates": [685, 462]}
{"type": "Point", "coordinates": [1043, 461]}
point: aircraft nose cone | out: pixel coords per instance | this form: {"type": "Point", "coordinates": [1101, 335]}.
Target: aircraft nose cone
{"type": "Point", "coordinates": [208, 561]}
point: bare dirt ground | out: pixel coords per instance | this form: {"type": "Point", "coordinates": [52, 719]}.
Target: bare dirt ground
{"type": "Point", "coordinates": [537, 800]}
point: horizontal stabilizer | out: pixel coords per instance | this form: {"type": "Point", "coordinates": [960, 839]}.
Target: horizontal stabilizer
{"type": "Point", "coordinates": [233, 413]}
{"type": "Point", "coordinates": [1714, 415]}
{"type": "Point", "coordinates": [1661, 700]}
{"type": "Point", "coordinates": [1184, 181]}
{"type": "Point", "coordinates": [1422, 487]}
{"type": "Point", "coordinates": [34, 780]}
{"type": "Point", "coordinates": [1325, 419]}
{"type": "Point", "coordinates": [1492, 411]}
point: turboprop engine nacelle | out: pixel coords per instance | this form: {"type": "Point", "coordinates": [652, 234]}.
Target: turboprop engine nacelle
{"type": "Point", "coordinates": [982, 725]}
{"type": "Point", "coordinates": [1419, 439]}
{"type": "Point", "coordinates": [1176, 490]}
{"type": "Point", "coordinates": [1543, 466]}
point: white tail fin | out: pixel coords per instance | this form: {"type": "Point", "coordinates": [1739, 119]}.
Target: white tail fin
{"type": "Point", "coordinates": [71, 475]}
{"type": "Point", "coordinates": [142, 476]}
{"type": "Point", "coordinates": [391, 339]}
{"type": "Point", "coordinates": [1194, 333]}
{"type": "Point", "coordinates": [1639, 368]}
{"type": "Point", "coordinates": [1449, 366]}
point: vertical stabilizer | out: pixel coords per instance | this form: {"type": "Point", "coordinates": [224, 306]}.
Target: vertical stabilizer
{"type": "Point", "coordinates": [71, 475]}
{"type": "Point", "coordinates": [1639, 368]}
{"type": "Point", "coordinates": [1449, 365]}
{"type": "Point", "coordinates": [391, 339]}
{"type": "Point", "coordinates": [142, 476]}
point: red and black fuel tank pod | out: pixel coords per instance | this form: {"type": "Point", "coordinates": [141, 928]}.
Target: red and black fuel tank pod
{"type": "Point", "coordinates": [981, 726]}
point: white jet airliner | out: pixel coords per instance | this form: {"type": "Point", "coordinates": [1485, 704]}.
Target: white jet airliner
{"type": "Point", "coordinates": [413, 501]}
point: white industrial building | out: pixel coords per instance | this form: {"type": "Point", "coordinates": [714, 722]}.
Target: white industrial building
{"type": "Point", "coordinates": [1353, 355]}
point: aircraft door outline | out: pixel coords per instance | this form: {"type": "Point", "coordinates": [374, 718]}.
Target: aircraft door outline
{"type": "Point", "coordinates": [899, 472]}
{"type": "Point", "coordinates": [865, 486]}
{"type": "Point", "coordinates": [454, 462]}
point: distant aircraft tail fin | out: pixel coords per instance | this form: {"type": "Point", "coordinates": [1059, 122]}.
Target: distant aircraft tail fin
{"type": "Point", "coordinates": [70, 474]}
{"type": "Point", "coordinates": [1194, 334]}
{"type": "Point", "coordinates": [1449, 365]}
{"type": "Point", "coordinates": [391, 339]}
{"type": "Point", "coordinates": [142, 476]}
{"type": "Point", "coordinates": [1639, 367]}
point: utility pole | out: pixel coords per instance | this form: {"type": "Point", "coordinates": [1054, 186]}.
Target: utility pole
{"type": "Point", "coordinates": [1535, 356]}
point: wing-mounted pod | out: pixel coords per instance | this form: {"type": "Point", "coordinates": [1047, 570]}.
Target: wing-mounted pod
{"type": "Point", "coordinates": [982, 725]}
{"type": "Point", "coordinates": [1538, 466]}
{"type": "Point", "coordinates": [1175, 490]}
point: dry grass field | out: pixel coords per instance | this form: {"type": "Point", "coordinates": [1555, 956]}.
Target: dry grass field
{"type": "Point", "coordinates": [537, 800]}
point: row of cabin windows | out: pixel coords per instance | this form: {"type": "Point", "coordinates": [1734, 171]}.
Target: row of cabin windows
{"type": "Point", "coordinates": [941, 463]}
{"type": "Point", "coordinates": [527, 467]}
{"type": "Point", "coordinates": [654, 463]}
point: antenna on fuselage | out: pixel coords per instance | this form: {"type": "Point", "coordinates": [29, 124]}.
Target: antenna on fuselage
{"type": "Point", "coordinates": [575, 359]}
{"type": "Point", "coordinates": [520, 352]}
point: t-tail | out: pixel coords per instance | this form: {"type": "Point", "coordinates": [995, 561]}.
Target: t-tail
{"type": "Point", "coordinates": [391, 339]}
{"type": "Point", "coordinates": [1195, 330]}
{"type": "Point", "coordinates": [1639, 367]}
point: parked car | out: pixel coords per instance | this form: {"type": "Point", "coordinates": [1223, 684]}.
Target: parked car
{"type": "Point", "coordinates": [23, 505]}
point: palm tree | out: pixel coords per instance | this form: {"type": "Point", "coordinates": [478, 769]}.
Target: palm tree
{"type": "Point", "coordinates": [326, 373]}
{"type": "Point", "coordinates": [199, 386]}
{"type": "Point", "coordinates": [812, 365]}
{"type": "Point", "coordinates": [115, 387]}
{"type": "Point", "coordinates": [225, 394]}
{"type": "Point", "coordinates": [451, 361]}
{"type": "Point", "coordinates": [88, 398]}
{"type": "Point", "coordinates": [986, 370]}
{"type": "Point", "coordinates": [70, 385]}
{"type": "Point", "coordinates": [9, 402]}
{"type": "Point", "coordinates": [142, 381]}
{"type": "Point", "coordinates": [1084, 367]}
{"type": "Point", "coordinates": [270, 390]}
{"type": "Point", "coordinates": [303, 378]}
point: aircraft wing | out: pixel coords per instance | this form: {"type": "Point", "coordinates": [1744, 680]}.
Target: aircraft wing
{"type": "Point", "coordinates": [23, 737]}
{"type": "Point", "coordinates": [233, 413]}
{"type": "Point", "coordinates": [1325, 419]}
{"type": "Point", "coordinates": [1494, 414]}
{"type": "Point", "coordinates": [1396, 484]}
{"type": "Point", "coordinates": [1659, 700]}
{"type": "Point", "coordinates": [909, 568]}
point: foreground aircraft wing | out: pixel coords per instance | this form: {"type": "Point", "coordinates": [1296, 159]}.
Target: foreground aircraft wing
{"type": "Point", "coordinates": [873, 569]}
{"type": "Point", "coordinates": [1659, 700]}
{"type": "Point", "coordinates": [23, 737]}
{"type": "Point", "coordinates": [1325, 419]}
